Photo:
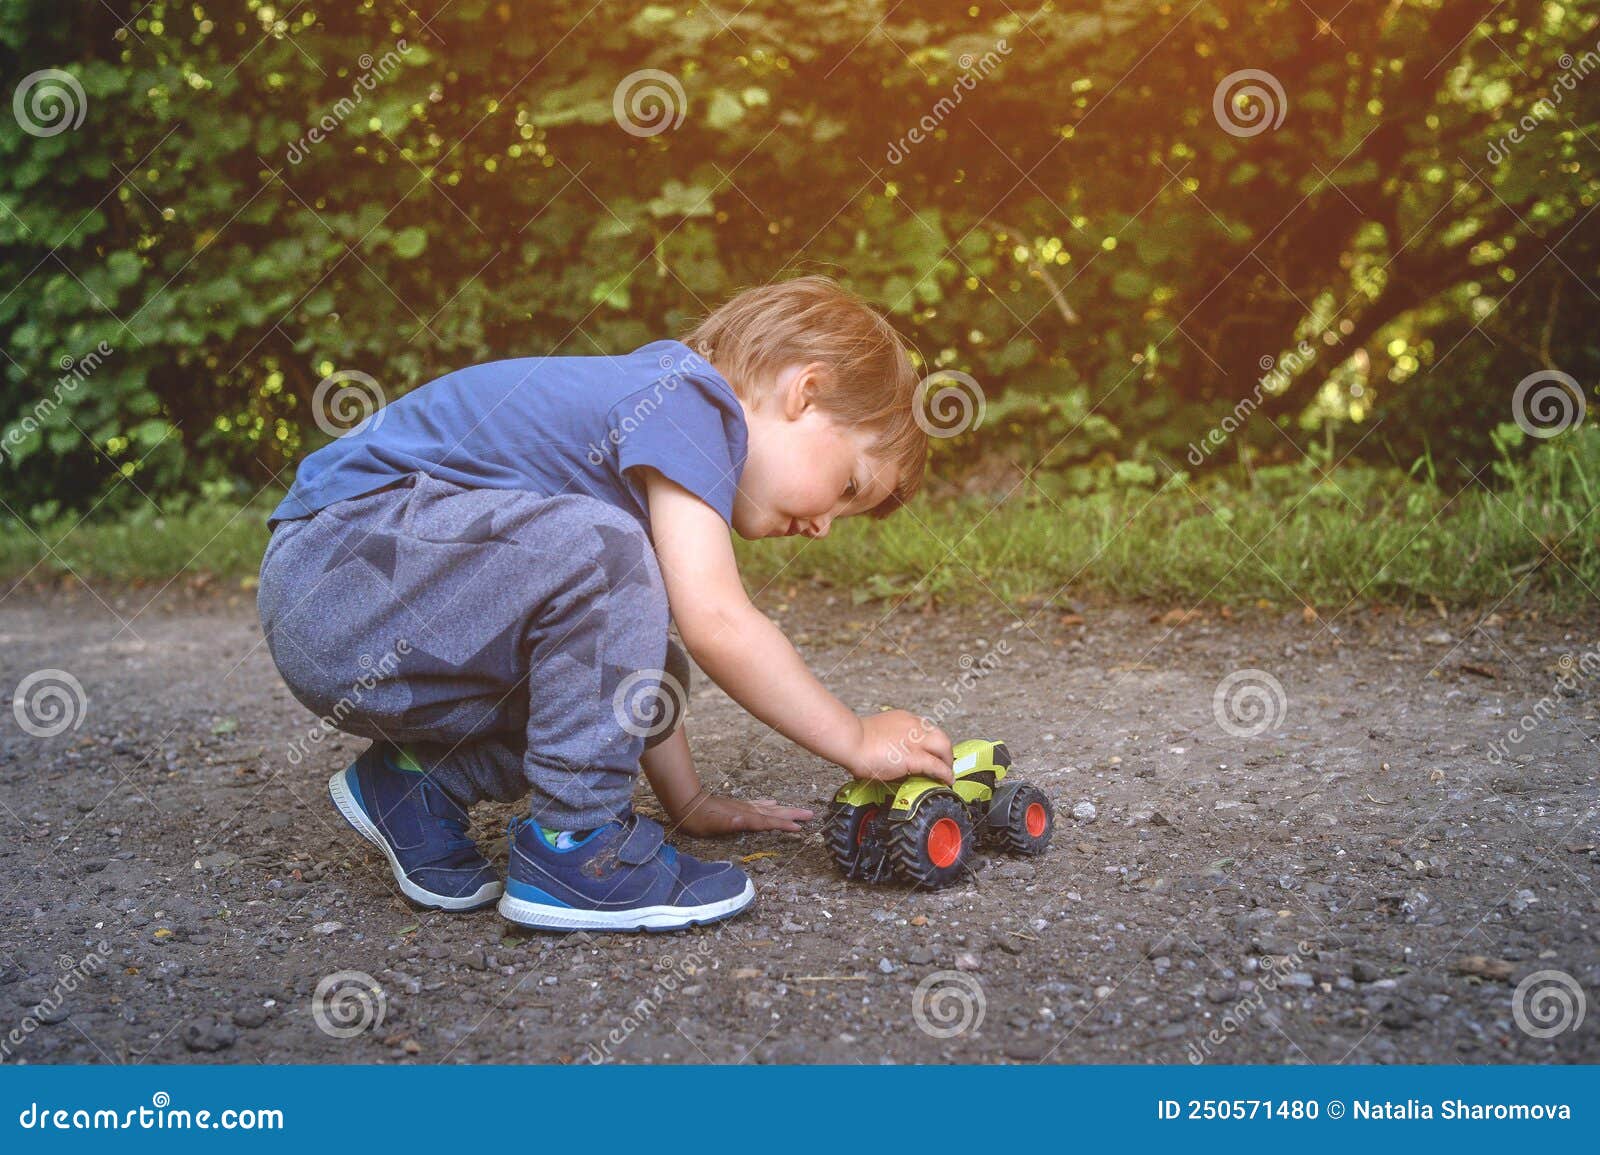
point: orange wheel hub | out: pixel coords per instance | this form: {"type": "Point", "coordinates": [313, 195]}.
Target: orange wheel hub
{"type": "Point", "coordinates": [944, 842]}
{"type": "Point", "coordinates": [1035, 819]}
{"type": "Point", "coordinates": [861, 827]}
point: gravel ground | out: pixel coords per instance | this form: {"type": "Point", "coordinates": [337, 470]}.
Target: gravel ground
{"type": "Point", "coordinates": [1365, 880]}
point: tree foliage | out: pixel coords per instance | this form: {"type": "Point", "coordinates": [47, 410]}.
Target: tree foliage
{"type": "Point", "coordinates": [1050, 200]}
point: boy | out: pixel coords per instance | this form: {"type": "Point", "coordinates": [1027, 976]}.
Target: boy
{"type": "Point", "coordinates": [503, 546]}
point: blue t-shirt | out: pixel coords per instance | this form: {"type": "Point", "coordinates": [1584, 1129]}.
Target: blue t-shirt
{"type": "Point", "coordinates": [551, 425]}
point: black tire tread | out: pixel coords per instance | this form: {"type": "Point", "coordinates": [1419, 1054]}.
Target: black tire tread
{"type": "Point", "coordinates": [839, 837]}
{"type": "Point", "coordinates": [1015, 837]}
{"type": "Point", "coordinates": [907, 840]}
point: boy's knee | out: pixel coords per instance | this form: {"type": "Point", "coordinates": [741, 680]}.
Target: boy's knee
{"type": "Point", "coordinates": [619, 546]}
{"type": "Point", "coordinates": [625, 552]}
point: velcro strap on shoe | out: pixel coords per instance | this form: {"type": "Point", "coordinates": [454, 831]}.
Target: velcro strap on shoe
{"type": "Point", "coordinates": [641, 841]}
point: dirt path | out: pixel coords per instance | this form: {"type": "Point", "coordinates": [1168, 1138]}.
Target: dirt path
{"type": "Point", "coordinates": [1316, 892]}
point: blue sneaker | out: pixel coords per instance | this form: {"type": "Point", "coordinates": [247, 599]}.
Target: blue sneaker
{"type": "Point", "coordinates": [623, 876]}
{"type": "Point", "coordinates": [419, 829]}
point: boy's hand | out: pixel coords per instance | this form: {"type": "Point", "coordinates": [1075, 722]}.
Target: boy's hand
{"type": "Point", "coordinates": [707, 815]}
{"type": "Point", "coordinates": [897, 744]}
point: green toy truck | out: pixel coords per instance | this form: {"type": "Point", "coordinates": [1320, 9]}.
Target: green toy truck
{"type": "Point", "coordinates": [925, 832]}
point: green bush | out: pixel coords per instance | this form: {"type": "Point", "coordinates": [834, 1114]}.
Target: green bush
{"type": "Point", "coordinates": [259, 196]}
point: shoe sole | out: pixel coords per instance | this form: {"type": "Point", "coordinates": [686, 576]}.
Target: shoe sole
{"type": "Point", "coordinates": [544, 917]}
{"type": "Point", "coordinates": [350, 810]}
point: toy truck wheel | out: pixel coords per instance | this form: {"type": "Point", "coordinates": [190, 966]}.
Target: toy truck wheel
{"type": "Point", "coordinates": [853, 838]}
{"type": "Point", "coordinates": [931, 848]}
{"type": "Point", "coordinates": [1031, 823]}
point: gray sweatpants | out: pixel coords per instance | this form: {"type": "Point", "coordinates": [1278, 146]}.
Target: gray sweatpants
{"type": "Point", "coordinates": [514, 643]}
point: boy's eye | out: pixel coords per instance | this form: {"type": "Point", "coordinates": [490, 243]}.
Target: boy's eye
{"type": "Point", "coordinates": [851, 490]}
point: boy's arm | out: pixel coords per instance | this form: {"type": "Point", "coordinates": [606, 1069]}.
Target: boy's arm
{"type": "Point", "coordinates": [695, 810]}
{"type": "Point", "coordinates": [747, 655]}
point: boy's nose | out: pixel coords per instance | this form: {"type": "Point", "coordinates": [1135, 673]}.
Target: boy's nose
{"type": "Point", "coordinates": [820, 526]}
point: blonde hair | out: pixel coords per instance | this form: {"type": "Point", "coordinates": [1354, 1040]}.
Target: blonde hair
{"type": "Point", "coordinates": [870, 382]}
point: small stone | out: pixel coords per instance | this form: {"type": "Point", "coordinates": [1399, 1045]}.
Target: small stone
{"type": "Point", "coordinates": [967, 961]}
{"type": "Point", "coordinates": [886, 966]}
{"type": "Point", "coordinates": [1483, 967]}
{"type": "Point", "coordinates": [1085, 812]}
{"type": "Point", "coordinates": [919, 956]}
{"type": "Point", "coordinates": [249, 1016]}
{"type": "Point", "coordinates": [209, 1035]}
{"type": "Point", "coordinates": [327, 927]}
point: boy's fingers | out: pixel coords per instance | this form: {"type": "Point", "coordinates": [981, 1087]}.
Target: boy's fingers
{"type": "Point", "coordinates": [936, 768]}
{"type": "Point", "coordinates": [771, 806]}
{"type": "Point", "coordinates": [939, 742]}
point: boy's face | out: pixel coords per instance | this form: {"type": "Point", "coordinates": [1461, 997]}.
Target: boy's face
{"type": "Point", "coordinates": [804, 468]}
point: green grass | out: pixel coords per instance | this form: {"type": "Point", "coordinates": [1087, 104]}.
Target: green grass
{"type": "Point", "coordinates": [1285, 534]}
{"type": "Point", "coordinates": [219, 539]}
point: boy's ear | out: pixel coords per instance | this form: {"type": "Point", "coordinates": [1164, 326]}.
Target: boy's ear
{"type": "Point", "coordinates": [801, 385]}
